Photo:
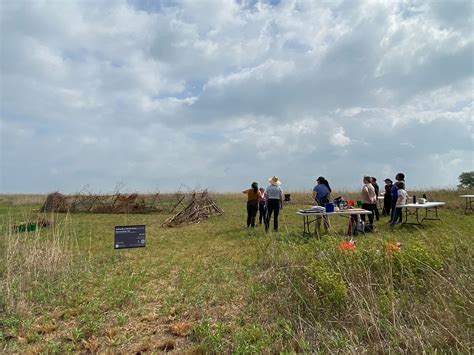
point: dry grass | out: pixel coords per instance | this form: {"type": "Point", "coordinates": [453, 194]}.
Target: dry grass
{"type": "Point", "coordinates": [31, 258]}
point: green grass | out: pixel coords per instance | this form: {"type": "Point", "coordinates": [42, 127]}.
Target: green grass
{"type": "Point", "coordinates": [65, 289]}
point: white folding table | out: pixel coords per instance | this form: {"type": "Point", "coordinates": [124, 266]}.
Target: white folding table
{"type": "Point", "coordinates": [430, 208]}
{"type": "Point", "coordinates": [317, 215]}
{"type": "Point", "coordinates": [468, 199]}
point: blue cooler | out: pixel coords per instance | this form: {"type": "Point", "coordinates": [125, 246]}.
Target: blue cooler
{"type": "Point", "coordinates": [329, 207]}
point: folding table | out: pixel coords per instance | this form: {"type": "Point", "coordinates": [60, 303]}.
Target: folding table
{"type": "Point", "coordinates": [430, 208]}
{"type": "Point", "coordinates": [317, 215]}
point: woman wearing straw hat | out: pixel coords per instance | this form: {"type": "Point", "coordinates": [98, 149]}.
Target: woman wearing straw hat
{"type": "Point", "coordinates": [274, 196]}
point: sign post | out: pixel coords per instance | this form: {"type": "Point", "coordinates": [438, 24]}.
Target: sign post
{"type": "Point", "coordinates": [129, 236]}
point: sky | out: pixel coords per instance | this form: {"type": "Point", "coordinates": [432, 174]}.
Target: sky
{"type": "Point", "coordinates": [157, 95]}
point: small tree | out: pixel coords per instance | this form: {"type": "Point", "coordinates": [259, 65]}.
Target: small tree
{"type": "Point", "coordinates": [466, 179]}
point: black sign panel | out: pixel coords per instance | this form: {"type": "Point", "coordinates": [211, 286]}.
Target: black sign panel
{"type": "Point", "coordinates": [129, 236]}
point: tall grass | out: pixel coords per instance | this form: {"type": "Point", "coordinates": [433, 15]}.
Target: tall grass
{"type": "Point", "coordinates": [417, 299]}
{"type": "Point", "coordinates": [34, 259]}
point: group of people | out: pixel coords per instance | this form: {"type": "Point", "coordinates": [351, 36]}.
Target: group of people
{"type": "Point", "coordinates": [395, 195]}
{"type": "Point", "coordinates": [269, 201]}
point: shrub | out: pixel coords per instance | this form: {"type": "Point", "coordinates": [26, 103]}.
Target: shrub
{"type": "Point", "coordinates": [414, 264]}
{"type": "Point", "coordinates": [330, 285]}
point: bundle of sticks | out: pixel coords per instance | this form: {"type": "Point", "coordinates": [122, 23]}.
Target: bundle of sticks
{"type": "Point", "coordinates": [200, 207]}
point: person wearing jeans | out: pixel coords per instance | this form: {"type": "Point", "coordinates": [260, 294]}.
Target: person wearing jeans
{"type": "Point", "coordinates": [274, 198]}
{"type": "Point", "coordinates": [401, 200]}
{"type": "Point", "coordinates": [400, 177]}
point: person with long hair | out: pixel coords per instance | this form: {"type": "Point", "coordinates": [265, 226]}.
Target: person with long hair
{"type": "Point", "coordinates": [321, 194]}
{"type": "Point", "coordinates": [253, 195]}
{"type": "Point", "coordinates": [369, 198]}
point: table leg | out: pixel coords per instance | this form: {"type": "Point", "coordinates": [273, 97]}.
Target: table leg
{"type": "Point", "coordinates": [468, 206]}
{"type": "Point", "coordinates": [317, 226]}
{"type": "Point", "coordinates": [436, 216]}
{"type": "Point", "coordinates": [305, 225]}
{"type": "Point", "coordinates": [408, 213]}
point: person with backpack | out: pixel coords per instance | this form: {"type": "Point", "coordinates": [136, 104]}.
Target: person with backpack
{"type": "Point", "coordinates": [369, 199]}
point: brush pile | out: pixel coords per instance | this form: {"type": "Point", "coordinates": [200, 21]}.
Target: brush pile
{"type": "Point", "coordinates": [115, 203]}
{"type": "Point", "coordinates": [55, 202]}
{"type": "Point", "coordinates": [199, 207]}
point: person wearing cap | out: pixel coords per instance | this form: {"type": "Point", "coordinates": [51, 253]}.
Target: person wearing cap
{"type": "Point", "coordinates": [253, 195]}
{"type": "Point", "coordinates": [274, 198]}
{"type": "Point", "coordinates": [387, 198]}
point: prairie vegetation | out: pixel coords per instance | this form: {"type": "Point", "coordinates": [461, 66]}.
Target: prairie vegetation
{"type": "Point", "coordinates": [218, 287]}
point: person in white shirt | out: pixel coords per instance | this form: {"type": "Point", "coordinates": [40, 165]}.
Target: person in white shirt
{"type": "Point", "coordinates": [402, 198]}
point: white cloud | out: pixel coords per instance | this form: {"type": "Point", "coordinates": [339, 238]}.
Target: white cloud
{"type": "Point", "coordinates": [200, 91]}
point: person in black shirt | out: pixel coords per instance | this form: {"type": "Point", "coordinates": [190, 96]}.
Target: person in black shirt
{"type": "Point", "coordinates": [387, 198]}
{"type": "Point", "coordinates": [376, 208]}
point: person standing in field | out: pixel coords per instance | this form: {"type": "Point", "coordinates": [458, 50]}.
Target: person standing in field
{"type": "Point", "coordinates": [252, 204]}
{"type": "Point", "coordinates": [377, 190]}
{"type": "Point", "coordinates": [262, 206]}
{"type": "Point", "coordinates": [274, 198]}
{"type": "Point", "coordinates": [402, 198]}
{"type": "Point", "coordinates": [400, 177]}
{"type": "Point", "coordinates": [369, 198]}
{"type": "Point", "coordinates": [321, 194]}
{"type": "Point", "coordinates": [387, 198]}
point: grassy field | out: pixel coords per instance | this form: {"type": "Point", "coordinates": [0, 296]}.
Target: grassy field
{"type": "Point", "coordinates": [218, 287]}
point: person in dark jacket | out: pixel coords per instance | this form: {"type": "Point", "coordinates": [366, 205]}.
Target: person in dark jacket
{"type": "Point", "coordinates": [377, 190]}
{"type": "Point", "coordinates": [387, 198]}
{"type": "Point", "coordinates": [400, 177]}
